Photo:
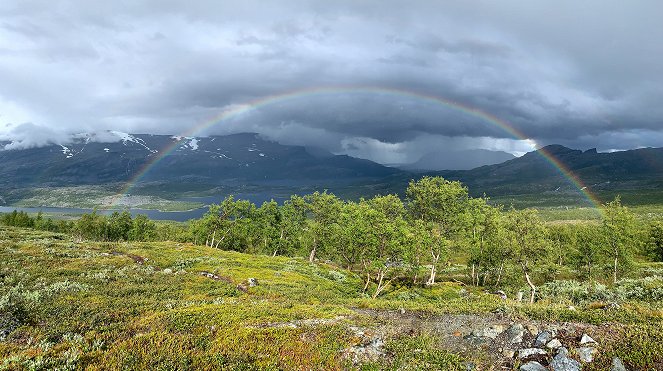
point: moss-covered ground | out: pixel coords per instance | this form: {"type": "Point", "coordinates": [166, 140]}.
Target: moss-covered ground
{"type": "Point", "coordinates": [88, 305]}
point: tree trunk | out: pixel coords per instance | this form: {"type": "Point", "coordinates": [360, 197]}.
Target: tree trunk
{"type": "Point", "coordinates": [311, 257]}
{"type": "Point", "coordinates": [275, 251]}
{"type": "Point", "coordinates": [614, 272]}
{"type": "Point", "coordinates": [368, 281]}
{"type": "Point", "coordinates": [472, 274]}
{"type": "Point", "coordinates": [213, 235]}
{"type": "Point", "coordinates": [499, 274]}
{"type": "Point", "coordinates": [529, 282]}
{"type": "Point", "coordinates": [381, 286]}
{"type": "Point", "coordinates": [433, 269]}
{"type": "Point", "coordinates": [431, 278]}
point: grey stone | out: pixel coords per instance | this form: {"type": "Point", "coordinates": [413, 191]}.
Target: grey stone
{"type": "Point", "coordinates": [489, 332]}
{"type": "Point", "coordinates": [563, 352]}
{"type": "Point", "coordinates": [532, 329]}
{"type": "Point", "coordinates": [586, 339]}
{"type": "Point", "coordinates": [515, 333]}
{"type": "Point", "coordinates": [252, 282]}
{"type": "Point", "coordinates": [532, 366]}
{"type": "Point", "coordinates": [554, 344]}
{"type": "Point", "coordinates": [528, 352]}
{"type": "Point", "coordinates": [542, 339]}
{"type": "Point", "coordinates": [586, 354]}
{"type": "Point", "coordinates": [562, 363]}
{"type": "Point", "coordinates": [167, 271]}
{"type": "Point", "coordinates": [617, 365]}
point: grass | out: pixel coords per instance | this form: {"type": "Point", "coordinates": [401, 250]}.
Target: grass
{"type": "Point", "coordinates": [92, 305]}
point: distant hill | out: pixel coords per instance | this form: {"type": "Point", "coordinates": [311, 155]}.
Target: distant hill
{"type": "Point", "coordinates": [533, 173]}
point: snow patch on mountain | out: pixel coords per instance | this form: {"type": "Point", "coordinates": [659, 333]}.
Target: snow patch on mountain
{"type": "Point", "coordinates": [191, 144]}
{"type": "Point", "coordinates": [125, 137]}
{"type": "Point", "coordinates": [66, 151]}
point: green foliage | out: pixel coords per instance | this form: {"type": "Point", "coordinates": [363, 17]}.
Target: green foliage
{"type": "Point", "coordinates": [618, 227]}
{"type": "Point", "coordinates": [655, 240]}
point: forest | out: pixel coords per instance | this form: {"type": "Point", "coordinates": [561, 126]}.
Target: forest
{"type": "Point", "coordinates": [390, 242]}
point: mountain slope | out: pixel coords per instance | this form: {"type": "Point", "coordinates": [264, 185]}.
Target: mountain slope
{"type": "Point", "coordinates": [534, 173]}
{"type": "Point", "coordinates": [217, 160]}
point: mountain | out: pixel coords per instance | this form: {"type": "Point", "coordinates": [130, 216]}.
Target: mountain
{"type": "Point", "coordinates": [181, 166]}
{"type": "Point", "coordinates": [215, 160]}
{"type": "Point", "coordinates": [458, 160]}
{"type": "Point", "coordinates": [534, 173]}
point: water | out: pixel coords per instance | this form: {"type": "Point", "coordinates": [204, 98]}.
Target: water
{"type": "Point", "coordinates": [180, 216]}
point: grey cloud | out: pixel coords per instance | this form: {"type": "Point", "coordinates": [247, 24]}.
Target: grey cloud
{"type": "Point", "coordinates": [579, 74]}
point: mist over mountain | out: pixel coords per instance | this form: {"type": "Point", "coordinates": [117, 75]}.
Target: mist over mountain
{"type": "Point", "coordinates": [458, 160]}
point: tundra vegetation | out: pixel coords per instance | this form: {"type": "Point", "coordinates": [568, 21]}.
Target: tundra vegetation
{"type": "Point", "coordinates": [288, 286]}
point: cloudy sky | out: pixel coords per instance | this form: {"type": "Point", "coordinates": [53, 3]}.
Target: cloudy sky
{"type": "Point", "coordinates": [584, 74]}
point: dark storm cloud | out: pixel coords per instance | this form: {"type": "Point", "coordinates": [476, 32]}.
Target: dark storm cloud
{"type": "Point", "coordinates": [583, 74]}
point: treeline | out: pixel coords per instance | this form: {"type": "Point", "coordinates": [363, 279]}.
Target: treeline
{"type": "Point", "coordinates": [386, 239]}
{"type": "Point", "coordinates": [119, 226]}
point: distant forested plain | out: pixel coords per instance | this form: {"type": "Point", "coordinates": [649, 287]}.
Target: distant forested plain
{"type": "Point", "coordinates": [119, 291]}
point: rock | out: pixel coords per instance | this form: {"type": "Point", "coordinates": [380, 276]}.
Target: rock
{"type": "Point", "coordinates": [489, 332]}
{"type": "Point", "coordinates": [532, 329]}
{"type": "Point", "coordinates": [563, 363]}
{"type": "Point", "coordinates": [586, 354]}
{"type": "Point", "coordinates": [554, 344]}
{"type": "Point", "coordinates": [515, 334]}
{"type": "Point", "coordinates": [167, 271]}
{"type": "Point", "coordinates": [508, 353]}
{"type": "Point", "coordinates": [586, 339]}
{"type": "Point", "coordinates": [528, 352]}
{"type": "Point", "coordinates": [617, 365]}
{"type": "Point", "coordinates": [402, 310]}
{"type": "Point", "coordinates": [252, 282]}
{"type": "Point", "coordinates": [542, 339]}
{"type": "Point", "coordinates": [470, 366]}
{"type": "Point", "coordinates": [563, 351]}
{"type": "Point", "coordinates": [532, 366]}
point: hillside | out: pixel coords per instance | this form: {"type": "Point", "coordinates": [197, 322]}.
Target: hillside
{"type": "Point", "coordinates": [209, 160]}
{"type": "Point", "coordinates": [143, 305]}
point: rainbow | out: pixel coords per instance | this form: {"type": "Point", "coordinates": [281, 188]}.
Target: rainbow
{"type": "Point", "coordinates": [253, 105]}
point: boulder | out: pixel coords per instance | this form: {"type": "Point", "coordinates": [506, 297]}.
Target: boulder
{"type": "Point", "coordinates": [532, 366]}
{"type": "Point", "coordinates": [617, 365]}
{"type": "Point", "coordinates": [528, 352]}
{"type": "Point", "coordinates": [514, 334]}
{"type": "Point", "coordinates": [562, 363]}
{"type": "Point", "coordinates": [586, 354]}
{"type": "Point", "coordinates": [252, 282]}
{"type": "Point", "coordinates": [489, 332]}
{"type": "Point", "coordinates": [542, 339]}
{"type": "Point", "coordinates": [554, 344]}
{"type": "Point", "coordinates": [586, 339]}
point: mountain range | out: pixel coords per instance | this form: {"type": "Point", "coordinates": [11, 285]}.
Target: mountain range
{"type": "Point", "coordinates": [186, 163]}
